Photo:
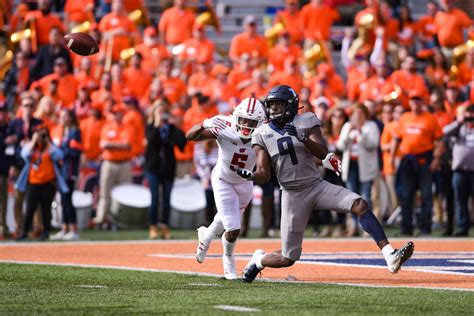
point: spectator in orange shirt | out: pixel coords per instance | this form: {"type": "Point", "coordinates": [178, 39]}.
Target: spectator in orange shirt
{"type": "Point", "coordinates": [222, 92]}
{"type": "Point", "coordinates": [450, 24]}
{"type": "Point", "coordinates": [426, 26]}
{"type": "Point", "coordinates": [91, 128]}
{"type": "Point", "coordinates": [119, 86]}
{"type": "Point", "coordinates": [176, 24]}
{"type": "Point", "coordinates": [407, 27]}
{"type": "Point", "coordinates": [241, 74]}
{"type": "Point", "coordinates": [316, 19]}
{"type": "Point", "coordinates": [258, 88]}
{"type": "Point", "coordinates": [197, 49]}
{"type": "Point", "coordinates": [392, 26]}
{"type": "Point", "coordinates": [283, 49]}
{"type": "Point", "coordinates": [67, 84]}
{"type": "Point", "coordinates": [118, 29]}
{"type": "Point", "coordinates": [17, 20]}
{"type": "Point", "coordinates": [290, 75]}
{"type": "Point", "coordinates": [408, 79]}
{"type": "Point", "coordinates": [44, 21]}
{"type": "Point", "coordinates": [136, 78]}
{"type": "Point", "coordinates": [133, 118]}
{"type": "Point", "coordinates": [390, 118]}
{"type": "Point", "coordinates": [77, 12]}
{"type": "Point", "coordinates": [174, 89]}
{"type": "Point", "coordinates": [38, 178]}
{"type": "Point", "coordinates": [82, 105]}
{"type": "Point", "coordinates": [290, 19]}
{"type": "Point", "coordinates": [152, 50]}
{"type": "Point", "coordinates": [379, 86]}
{"type": "Point", "coordinates": [249, 41]}
{"type": "Point", "coordinates": [85, 76]}
{"type": "Point", "coordinates": [326, 83]}
{"type": "Point", "coordinates": [103, 98]}
{"type": "Point", "coordinates": [452, 99]}
{"type": "Point", "coordinates": [357, 80]}
{"type": "Point", "coordinates": [116, 144]}
{"type": "Point", "coordinates": [465, 74]}
{"type": "Point", "coordinates": [200, 79]}
{"type": "Point", "coordinates": [437, 73]}
{"type": "Point", "coordinates": [418, 139]}
{"type": "Point", "coordinates": [154, 94]}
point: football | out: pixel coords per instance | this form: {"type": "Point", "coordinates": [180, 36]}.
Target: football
{"type": "Point", "coordinates": [81, 43]}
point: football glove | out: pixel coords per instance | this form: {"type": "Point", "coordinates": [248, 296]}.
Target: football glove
{"type": "Point", "coordinates": [244, 173]}
{"type": "Point", "coordinates": [292, 131]}
{"type": "Point", "coordinates": [214, 122]}
{"type": "Point", "coordinates": [332, 163]}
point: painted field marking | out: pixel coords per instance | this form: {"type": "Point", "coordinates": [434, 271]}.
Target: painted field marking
{"type": "Point", "coordinates": [237, 308]}
{"type": "Point", "coordinates": [193, 273]}
{"type": "Point", "coordinates": [204, 284]}
{"type": "Point", "coordinates": [92, 286]}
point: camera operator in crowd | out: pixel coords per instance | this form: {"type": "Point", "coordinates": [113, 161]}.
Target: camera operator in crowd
{"type": "Point", "coordinates": [461, 134]}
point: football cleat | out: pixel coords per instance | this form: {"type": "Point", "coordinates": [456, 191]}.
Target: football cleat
{"type": "Point", "coordinates": [251, 271]}
{"type": "Point", "coordinates": [203, 245]}
{"type": "Point", "coordinates": [230, 272]}
{"type": "Point", "coordinates": [398, 257]}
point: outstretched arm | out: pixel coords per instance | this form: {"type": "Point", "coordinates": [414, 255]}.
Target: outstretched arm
{"type": "Point", "coordinates": [197, 132]}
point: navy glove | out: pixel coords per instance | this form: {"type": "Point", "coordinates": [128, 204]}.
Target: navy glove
{"type": "Point", "coordinates": [292, 131]}
{"type": "Point", "coordinates": [244, 173]}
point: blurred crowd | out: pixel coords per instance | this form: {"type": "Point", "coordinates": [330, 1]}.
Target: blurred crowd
{"type": "Point", "coordinates": [399, 113]}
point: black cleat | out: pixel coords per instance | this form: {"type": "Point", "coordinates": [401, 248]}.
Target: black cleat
{"type": "Point", "coordinates": [251, 271]}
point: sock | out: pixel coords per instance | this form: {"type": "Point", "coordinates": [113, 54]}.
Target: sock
{"type": "Point", "coordinates": [258, 261]}
{"type": "Point", "coordinates": [387, 250]}
{"type": "Point", "coordinates": [371, 225]}
{"type": "Point", "coordinates": [228, 246]}
{"type": "Point", "coordinates": [215, 229]}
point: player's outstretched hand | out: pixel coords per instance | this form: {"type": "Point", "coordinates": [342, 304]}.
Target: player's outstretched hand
{"type": "Point", "coordinates": [292, 131]}
{"type": "Point", "coordinates": [244, 173]}
{"type": "Point", "coordinates": [214, 122]}
{"type": "Point", "coordinates": [332, 163]}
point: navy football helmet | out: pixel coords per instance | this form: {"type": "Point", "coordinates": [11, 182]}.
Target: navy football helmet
{"type": "Point", "coordinates": [281, 104]}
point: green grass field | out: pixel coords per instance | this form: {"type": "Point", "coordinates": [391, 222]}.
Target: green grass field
{"type": "Point", "coordinates": [51, 290]}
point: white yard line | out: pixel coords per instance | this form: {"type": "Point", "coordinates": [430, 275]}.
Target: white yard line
{"type": "Point", "coordinates": [236, 308]}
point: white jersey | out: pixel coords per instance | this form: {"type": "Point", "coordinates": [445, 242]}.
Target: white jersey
{"type": "Point", "coordinates": [233, 153]}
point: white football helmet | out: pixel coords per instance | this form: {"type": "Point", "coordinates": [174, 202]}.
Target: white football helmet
{"type": "Point", "coordinates": [248, 116]}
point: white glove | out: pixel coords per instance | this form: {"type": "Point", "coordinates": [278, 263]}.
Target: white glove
{"type": "Point", "coordinates": [332, 163]}
{"type": "Point", "coordinates": [214, 122]}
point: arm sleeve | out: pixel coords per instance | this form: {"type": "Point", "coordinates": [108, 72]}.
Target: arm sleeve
{"type": "Point", "coordinates": [378, 49]}
{"type": "Point", "coordinates": [370, 136]}
{"type": "Point", "coordinates": [451, 129]}
{"type": "Point", "coordinates": [345, 60]}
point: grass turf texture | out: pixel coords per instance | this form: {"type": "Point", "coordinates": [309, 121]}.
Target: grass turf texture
{"type": "Point", "coordinates": [30, 289]}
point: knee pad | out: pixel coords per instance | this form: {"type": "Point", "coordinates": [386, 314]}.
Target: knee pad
{"type": "Point", "coordinates": [359, 207]}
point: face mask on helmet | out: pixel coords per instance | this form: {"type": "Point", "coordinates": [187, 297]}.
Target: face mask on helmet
{"type": "Point", "coordinates": [248, 116]}
{"type": "Point", "coordinates": [245, 126]}
{"type": "Point", "coordinates": [281, 104]}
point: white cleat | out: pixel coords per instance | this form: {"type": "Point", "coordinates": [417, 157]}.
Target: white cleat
{"type": "Point", "coordinates": [203, 246]}
{"type": "Point", "coordinates": [398, 257]}
{"type": "Point", "coordinates": [71, 236]}
{"type": "Point", "coordinates": [58, 236]}
{"type": "Point", "coordinates": [230, 272]}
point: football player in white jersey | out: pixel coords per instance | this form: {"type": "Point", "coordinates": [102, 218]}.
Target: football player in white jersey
{"type": "Point", "coordinates": [232, 193]}
{"type": "Point", "coordinates": [289, 143]}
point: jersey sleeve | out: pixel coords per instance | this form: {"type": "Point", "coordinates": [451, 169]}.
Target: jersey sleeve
{"type": "Point", "coordinates": [257, 138]}
{"type": "Point", "coordinates": [307, 121]}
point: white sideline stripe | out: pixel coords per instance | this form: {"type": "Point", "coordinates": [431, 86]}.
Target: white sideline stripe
{"type": "Point", "coordinates": [236, 308]}
{"type": "Point", "coordinates": [220, 276]}
{"type": "Point", "coordinates": [204, 284]}
{"type": "Point", "coordinates": [92, 286]}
